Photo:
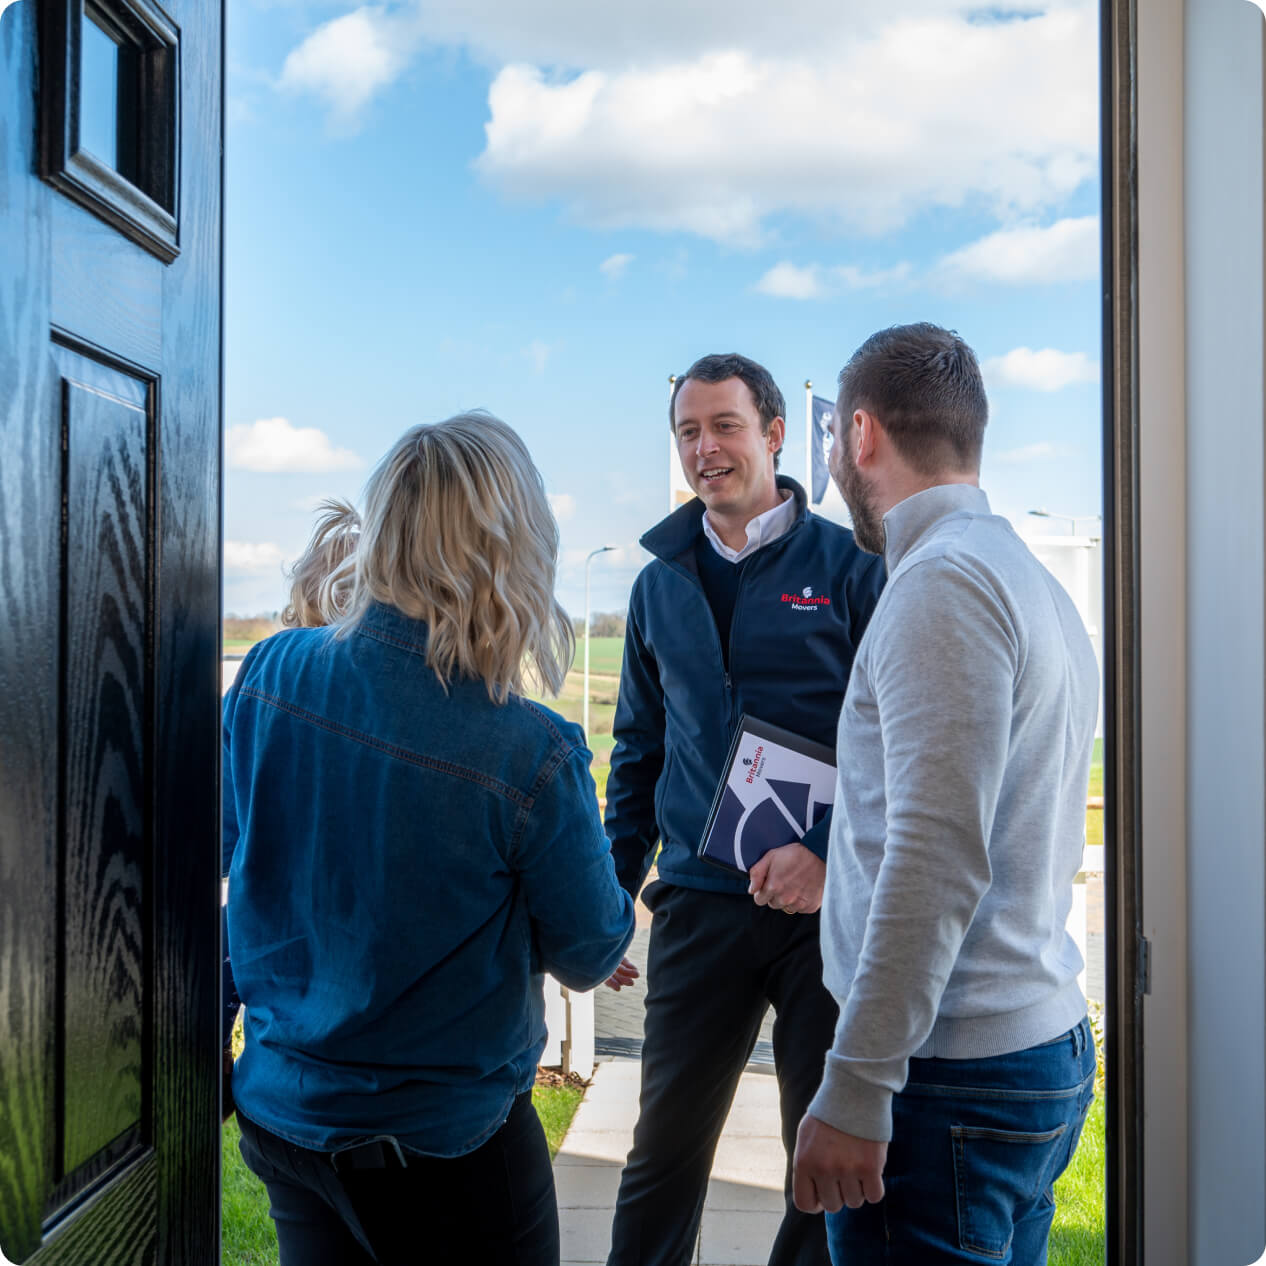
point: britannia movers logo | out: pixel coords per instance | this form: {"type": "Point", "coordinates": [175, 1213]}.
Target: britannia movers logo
{"type": "Point", "coordinates": [805, 601]}
{"type": "Point", "coordinates": [757, 763]}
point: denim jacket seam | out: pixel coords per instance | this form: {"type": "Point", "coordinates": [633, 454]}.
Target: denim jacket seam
{"type": "Point", "coordinates": [381, 635]}
{"type": "Point", "coordinates": [544, 777]}
{"type": "Point", "coordinates": [391, 749]}
{"type": "Point", "coordinates": [544, 718]}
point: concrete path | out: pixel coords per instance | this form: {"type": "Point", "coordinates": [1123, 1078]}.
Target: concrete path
{"type": "Point", "coordinates": [744, 1203]}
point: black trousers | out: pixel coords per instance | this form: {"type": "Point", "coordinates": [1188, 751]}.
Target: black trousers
{"type": "Point", "coordinates": [716, 962]}
{"type": "Point", "coordinates": [494, 1206]}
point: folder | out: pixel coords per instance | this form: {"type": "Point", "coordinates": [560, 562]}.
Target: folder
{"type": "Point", "coordinates": [775, 787]}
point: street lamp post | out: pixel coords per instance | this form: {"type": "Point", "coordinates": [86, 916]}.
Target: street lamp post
{"type": "Point", "coordinates": [602, 549]}
{"type": "Point", "coordinates": [1072, 519]}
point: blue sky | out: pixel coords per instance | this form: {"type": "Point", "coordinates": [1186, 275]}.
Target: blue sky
{"type": "Point", "coordinates": [545, 207]}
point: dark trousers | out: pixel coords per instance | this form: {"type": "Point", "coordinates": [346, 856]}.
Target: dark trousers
{"type": "Point", "coordinates": [716, 963]}
{"type": "Point", "coordinates": [977, 1145]}
{"type": "Point", "coordinates": [494, 1206]}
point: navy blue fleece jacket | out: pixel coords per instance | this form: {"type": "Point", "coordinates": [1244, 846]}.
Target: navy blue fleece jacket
{"type": "Point", "coordinates": [802, 605]}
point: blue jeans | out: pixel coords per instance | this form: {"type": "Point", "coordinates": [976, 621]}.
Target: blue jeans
{"type": "Point", "coordinates": [977, 1145]}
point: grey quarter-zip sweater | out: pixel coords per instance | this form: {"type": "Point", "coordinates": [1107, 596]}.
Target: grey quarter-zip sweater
{"type": "Point", "coordinates": [963, 758]}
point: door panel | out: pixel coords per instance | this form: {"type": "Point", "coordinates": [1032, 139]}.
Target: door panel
{"type": "Point", "coordinates": [106, 775]}
{"type": "Point", "coordinates": [110, 422]}
{"type": "Point", "coordinates": [30, 585]}
{"type": "Point", "coordinates": [119, 306]}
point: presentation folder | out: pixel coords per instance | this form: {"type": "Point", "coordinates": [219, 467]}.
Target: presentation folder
{"type": "Point", "coordinates": [776, 786]}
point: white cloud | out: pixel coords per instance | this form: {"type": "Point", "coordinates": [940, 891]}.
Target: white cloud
{"type": "Point", "coordinates": [563, 504]}
{"type": "Point", "coordinates": [855, 278]}
{"type": "Point", "coordinates": [615, 266]}
{"type": "Point", "coordinates": [859, 129]}
{"type": "Point", "coordinates": [1026, 454]}
{"type": "Point", "coordinates": [580, 33]}
{"type": "Point", "coordinates": [1044, 370]}
{"type": "Point", "coordinates": [349, 60]}
{"type": "Point", "coordinates": [538, 354]}
{"type": "Point", "coordinates": [788, 281]}
{"type": "Point", "coordinates": [1067, 250]}
{"type": "Point", "coordinates": [712, 117]}
{"type": "Point", "coordinates": [251, 557]}
{"type": "Point", "coordinates": [274, 445]}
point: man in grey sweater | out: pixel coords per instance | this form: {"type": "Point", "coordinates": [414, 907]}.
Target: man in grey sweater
{"type": "Point", "coordinates": [962, 1065]}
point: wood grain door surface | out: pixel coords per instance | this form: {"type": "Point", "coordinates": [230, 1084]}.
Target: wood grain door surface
{"type": "Point", "coordinates": [110, 423]}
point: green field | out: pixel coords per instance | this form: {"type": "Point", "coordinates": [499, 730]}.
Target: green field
{"type": "Point", "coordinates": [605, 656]}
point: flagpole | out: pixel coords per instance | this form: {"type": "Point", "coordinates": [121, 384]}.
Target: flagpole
{"type": "Point", "coordinates": [808, 439]}
{"type": "Point", "coordinates": [672, 449]}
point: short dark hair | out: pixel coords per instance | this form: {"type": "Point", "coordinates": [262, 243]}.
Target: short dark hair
{"type": "Point", "coordinates": [720, 366]}
{"type": "Point", "coordinates": [923, 384]}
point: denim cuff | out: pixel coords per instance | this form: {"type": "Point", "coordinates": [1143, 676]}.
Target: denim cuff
{"type": "Point", "coordinates": [853, 1106]}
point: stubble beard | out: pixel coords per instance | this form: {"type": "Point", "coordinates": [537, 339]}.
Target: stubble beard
{"type": "Point", "coordinates": [868, 523]}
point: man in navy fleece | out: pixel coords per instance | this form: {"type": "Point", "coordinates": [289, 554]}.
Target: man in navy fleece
{"type": "Point", "coordinates": [720, 624]}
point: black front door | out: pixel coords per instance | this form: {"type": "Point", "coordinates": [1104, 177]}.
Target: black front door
{"type": "Point", "coordinates": [110, 284]}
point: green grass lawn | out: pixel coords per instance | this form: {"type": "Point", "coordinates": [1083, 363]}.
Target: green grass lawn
{"type": "Point", "coordinates": [247, 1237]}
{"type": "Point", "coordinates": [1077, 1236]}
{"type": "Point", "coordinates": [247, 1234]}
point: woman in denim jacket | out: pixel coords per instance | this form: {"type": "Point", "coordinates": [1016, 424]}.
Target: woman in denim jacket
{"type": "Point", "coordinates": [410, 844]}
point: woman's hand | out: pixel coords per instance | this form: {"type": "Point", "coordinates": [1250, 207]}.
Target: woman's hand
{"type": "Point", "coordinates": [623, 975]}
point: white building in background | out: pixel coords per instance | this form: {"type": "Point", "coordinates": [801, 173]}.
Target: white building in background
{"type": "Point", "coordinates": [1077, 563]}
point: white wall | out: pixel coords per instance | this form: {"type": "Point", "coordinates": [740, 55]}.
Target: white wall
{"type": "Point", "coordinates": [1226, 603]}
{"type": "Point", "coordinates": [1202, 626]}
{"type": "Point", "coordinates": [1077, 563]}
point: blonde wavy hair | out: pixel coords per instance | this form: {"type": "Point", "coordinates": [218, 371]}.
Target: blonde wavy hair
{"type": "Point", "coordinates": [457, 532]}
{"type": "Point", "coordinates": [333, 540]}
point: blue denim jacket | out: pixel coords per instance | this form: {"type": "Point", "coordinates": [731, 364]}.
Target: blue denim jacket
{"type": "Point", "coordinates": [403, 865]}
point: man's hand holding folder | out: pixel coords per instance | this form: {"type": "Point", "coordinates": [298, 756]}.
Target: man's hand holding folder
{"type": "Point", "coordinates": [789, 879]}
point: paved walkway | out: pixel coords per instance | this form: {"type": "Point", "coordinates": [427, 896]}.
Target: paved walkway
{"type": "Point", "coordinates": [744, 1203]}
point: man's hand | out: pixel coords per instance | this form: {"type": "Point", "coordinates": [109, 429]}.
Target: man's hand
{"type": "Point", "coordinates": [789, 878]}
{"type": "Point", "coordinates": [832, 1168]}
{"type": "Point", "coordinates": [625, 974]}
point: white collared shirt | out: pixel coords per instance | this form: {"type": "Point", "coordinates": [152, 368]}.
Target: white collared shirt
{"type": "Point", "coordinates": [760, 531]}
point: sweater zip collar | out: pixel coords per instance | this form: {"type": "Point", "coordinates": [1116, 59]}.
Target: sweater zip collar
{"type": "Point", "coordinates": [910, 520]}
